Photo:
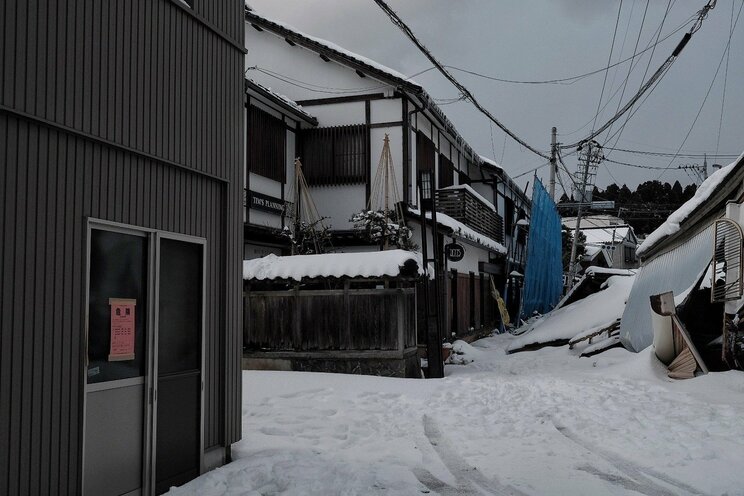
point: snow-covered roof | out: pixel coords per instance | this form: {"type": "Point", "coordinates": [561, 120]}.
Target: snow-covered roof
{"type": "Point", "coordinates": [297, 267]}
{"type": "Point", "coordinates": [282, 99]}
{"type": "Point", "coordinates": [605, 235]}
{"type": "Point", "coordinates": [490, 162]}
{"type": "Point", "coordinates": [360, 62]}
{"type": "Point", "coordinates": [584, 316]}
{"type": "Point", "coordinates": [285, 29]}
{"type": "Point", "coordinates": [614, 272]}
{"type": "Point", "coordinates": [706, 190]}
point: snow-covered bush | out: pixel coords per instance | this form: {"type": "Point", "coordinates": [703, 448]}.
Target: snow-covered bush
{"type": "Point", "coordinates": [375, 226]}
{"type": "Point", "coordinates": [310, 238]}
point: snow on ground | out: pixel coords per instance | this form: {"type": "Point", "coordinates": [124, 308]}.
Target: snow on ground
{"type": "Point", "coordinates": [535, 423]}
{"type": "Point", "coordinates": [588, 314]}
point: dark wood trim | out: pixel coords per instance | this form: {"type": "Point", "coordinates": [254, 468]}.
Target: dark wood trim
{"type": "Point", "coordinates": [103, 141]}
{"type": "Point", "coordinates": [406, 152]}
{"type": "Point", "coordinates": [247, 187]}
{"type": "Point", "coordinates": [453, 296]}
{"type": "Point", "coordinates": [368, 165]}
{"type": "Point", "coordinates": [203, 21]}
{"type": "Point", "coordinates": [341, 99]}
{"type": "Point", "coordinates": [378, 125]}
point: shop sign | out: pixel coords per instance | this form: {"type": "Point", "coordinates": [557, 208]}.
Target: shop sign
{"type": "Point", "coordinates": [265, 203]}
{"type": "Point", "coordinates": [454, 252]}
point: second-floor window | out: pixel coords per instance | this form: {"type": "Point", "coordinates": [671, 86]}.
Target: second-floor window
{"type": "Point", "coordinates": [446, 176]}
{"type": "Point", "coordinates": [267, 137]}
{"type": "Point", "coordinates": [335, 155]}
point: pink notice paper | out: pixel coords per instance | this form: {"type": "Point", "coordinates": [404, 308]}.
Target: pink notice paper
{"type": "Point", "coordinates": [122, 329]}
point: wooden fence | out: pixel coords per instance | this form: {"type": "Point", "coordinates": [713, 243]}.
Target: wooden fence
{"type": "Point", "coordinates": [325, 320]}
{"type": "Point", "coordinates": [470, 307]}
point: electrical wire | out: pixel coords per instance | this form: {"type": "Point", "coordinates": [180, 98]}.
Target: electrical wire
{"type": "Point", "coordinates": [670, 154]}
{"type": "Point", "coordinates": [310, 86]}
{"type": "Point", "coordinates": [651, 45]}
{"type": "Point", "coordinates": [725, 78]}
{"type": "Point", "coordinates": [463, 90]}
{"type": "Point", "coordinates": [707, 93]}
{"type": "Point", "coordinates": [702, 14]}
{"type": "Point", "coordinates": [619, 133]}
{"type": "Point", "coordinates": [609, 60]}
{"type": "Point", "coordinates": [635, 50]}
{"type": "Point", "coordinates": [570, 79]}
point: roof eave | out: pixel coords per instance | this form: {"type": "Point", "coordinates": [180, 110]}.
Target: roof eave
{"type": "Point", "coordinates": [309, 119]}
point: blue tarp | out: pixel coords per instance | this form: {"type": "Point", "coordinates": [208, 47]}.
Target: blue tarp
{"type": "Point", "coordinates": [543, 279]}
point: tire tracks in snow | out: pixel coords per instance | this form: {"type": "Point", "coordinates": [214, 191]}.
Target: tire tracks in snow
{"type": "Point", "coordinates": [469, 480]}
{"type": "Point", "coordinates": [636, 478]}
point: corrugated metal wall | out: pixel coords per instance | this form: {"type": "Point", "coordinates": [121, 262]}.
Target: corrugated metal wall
{"type": "Point", "coordinates": [676, 270]}
{"type": "Point", "coordinates": [128, 111]}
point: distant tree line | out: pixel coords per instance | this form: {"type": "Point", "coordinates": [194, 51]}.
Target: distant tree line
{"type": "Point", "coordinates": [645, 208]}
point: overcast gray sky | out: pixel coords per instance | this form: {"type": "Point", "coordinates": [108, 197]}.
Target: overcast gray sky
{"type": "Point", "coordinates": [549, 39]}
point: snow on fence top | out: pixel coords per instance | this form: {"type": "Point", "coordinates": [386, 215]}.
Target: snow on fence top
{"type": "Point", "coordinates": [368, 264]}
{"type": "Point", "coordinates": [703, 193]}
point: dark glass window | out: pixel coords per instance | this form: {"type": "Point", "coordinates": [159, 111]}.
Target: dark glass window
{"type": "Point", "coordinates": [508, 215]}
{"type": "Point", "coordinates": [335, 155]}
{"type": "Point", "coordinates": [118, 269]}
{"type": "Point", "coordinates": [267, 137]}
{"type": "Point", "coordinates": [446, 176]}
{"type": "Point", "coordinates": [425, 153]}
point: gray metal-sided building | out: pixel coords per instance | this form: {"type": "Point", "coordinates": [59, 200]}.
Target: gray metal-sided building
{"type": "Point", "coordinates": [121, 163]}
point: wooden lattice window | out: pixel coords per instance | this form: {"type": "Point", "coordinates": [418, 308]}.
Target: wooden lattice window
{"type": "Point", "coordinates": [336, 155]}
{"type": "Point", "coordinates": [267, 137]}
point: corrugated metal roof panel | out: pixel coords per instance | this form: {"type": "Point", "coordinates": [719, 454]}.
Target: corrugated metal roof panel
{"type": "Point", "coordinates": [675, 270]}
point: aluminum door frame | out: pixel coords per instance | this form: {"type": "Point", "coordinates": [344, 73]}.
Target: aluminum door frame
{"type": "Point", "coordinates": [153, 237]}
{"type": "Point", "coordinates": [157, 237]}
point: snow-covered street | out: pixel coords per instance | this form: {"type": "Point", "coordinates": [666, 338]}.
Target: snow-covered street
{"type": "Point", "coordinates": [536, 423]}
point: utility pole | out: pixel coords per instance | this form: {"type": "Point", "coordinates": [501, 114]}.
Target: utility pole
{"type": "Point", "coordinates": [591, 153]}
{"type": "Point", "coordinates": [553, 161]}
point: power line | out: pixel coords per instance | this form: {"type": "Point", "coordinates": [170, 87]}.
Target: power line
{"type": "Point", "coordinates": [409, 33]}
{"type": "Point", "coordinates": [725, 77]}
{"type": "Point", "coordinates": [609, 60]}
{"type": "Point", "coordinates": [670, 154]}
{"type": "Point", "coordinates": [702, 14]}
{"type": "Point", "coordinates": [635, 51]}
{"type": "Point", "coordinates": [570, 79]}
{"type": "Point", "coordinates": [619, 133]}
{"type": "Point", "coordinates": [707, 93]}
{"type": "Point", "coordinates": [650, 46]}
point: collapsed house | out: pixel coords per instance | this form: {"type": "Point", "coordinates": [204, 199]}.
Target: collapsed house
{"type": "Point", "coordinates": [680, 256]}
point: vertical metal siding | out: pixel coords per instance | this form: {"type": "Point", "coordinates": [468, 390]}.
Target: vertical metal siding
{"type": "Point", "coordinates": [143, 75]}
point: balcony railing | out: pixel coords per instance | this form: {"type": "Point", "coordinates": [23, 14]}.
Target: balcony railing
{"type": "Point", "coordinates": [464, 205]}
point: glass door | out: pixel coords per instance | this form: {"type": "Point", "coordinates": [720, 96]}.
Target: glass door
{"type": "Point", "coordinates": [179, 365]}
{"type": "Point", "coordinates": [117, 363]}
